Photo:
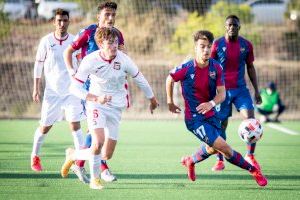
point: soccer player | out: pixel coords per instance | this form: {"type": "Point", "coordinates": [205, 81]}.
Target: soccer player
{"type": "Point", "coordinates": [57, 97]}
{"type": "Point", "coordinates": [202, 88]}
{"type": "Point", "coordinates": [106, 98]}
{"type": "Point", "coordinates": [86, 43]}
{"type": "Point", "coordinates": [233, 52]}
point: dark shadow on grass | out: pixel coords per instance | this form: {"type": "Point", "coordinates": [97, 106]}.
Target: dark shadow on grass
{"type": "Point", "coordinates": [149, 176]}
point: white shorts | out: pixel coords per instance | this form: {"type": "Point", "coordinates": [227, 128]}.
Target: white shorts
{"type": "Point", "coordinates": [102, 116]}
{"type": "Point", "coordinates": [54, 108]}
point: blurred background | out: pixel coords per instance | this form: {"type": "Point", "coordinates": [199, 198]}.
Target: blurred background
{"type": "Point", "coordinates": [158, 36]}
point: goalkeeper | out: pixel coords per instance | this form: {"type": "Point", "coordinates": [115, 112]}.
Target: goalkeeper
{"type": "Point", "coordinates": [271, 103]}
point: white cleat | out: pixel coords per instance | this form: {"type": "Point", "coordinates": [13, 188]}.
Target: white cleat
{"type": "Point", "coordinates": [80, 173]}
{"type": "Point", "coordinates": [107, 176]}
{"type": "Point", "coordinates": [96, 184]}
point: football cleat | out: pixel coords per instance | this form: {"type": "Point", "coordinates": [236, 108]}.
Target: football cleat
{"type": "Point", "coordinates": [36, 164]}
{"type": "Point", "coordinates": [260, 179]}
{"type": "Point", "coordinates": [190, 165]}
{"type": "Point", "coordinates": [67, 164]}
{"type": "Point", "coordinates": [96, 184]}
{"type": "Point", "coordinates": [80, 173]}
{"type": "Point", "coordinates": [250, 159]}
{"type": "Point", "coordinates": [107, 176]}
{"type": "Point", "coordinates": [219, 166]}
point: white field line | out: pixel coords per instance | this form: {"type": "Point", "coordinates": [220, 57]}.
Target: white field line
{"type": "Point", "coordinates": [282, 129]}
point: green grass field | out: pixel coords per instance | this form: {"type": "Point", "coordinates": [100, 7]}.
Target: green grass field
{"type": "Point", "coordinates": [147, 165]}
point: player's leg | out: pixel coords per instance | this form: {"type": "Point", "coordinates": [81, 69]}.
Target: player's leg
{"type": "Point", "coordinates": [111, 137]}
{"type": "Point", "coordinates": [224, 113]}
{"type": "Point", "coordinates": [74, 114]}
{"type": "Point", "coordinates": [237, 159]}
{"type": "Point", "coordinates": [206, 132]}
{"type": "Point", "coordinates": [281, 108]}
{"type": "Point", "coordinates": [93, 154]}
{"type": "Point", "coordinates": [51, 112]}
{"type": "Point", "coordinates": [39, 136]}
{"type": "Point", "coordinates": [244, 104]}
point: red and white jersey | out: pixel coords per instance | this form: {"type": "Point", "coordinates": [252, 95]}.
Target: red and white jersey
{"type": "Point", "coordinates": [50, 57]}
{"type": "Point", "coordinates": [108, 76]}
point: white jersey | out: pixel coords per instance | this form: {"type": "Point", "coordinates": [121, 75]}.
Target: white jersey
{"type": "Point", "coordinates": [108, 77]}
{"type": "Point", "coordinates": [50, 55]}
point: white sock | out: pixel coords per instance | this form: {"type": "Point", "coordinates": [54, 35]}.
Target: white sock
{"type": "Point", "coordinates": [94, 163]}
{"type": "Point", "coordinates": [78, 139]}
{"type": "Point", "coordinates": [82, 154]}
{"type": "Point", "coordinates": [37, 142]}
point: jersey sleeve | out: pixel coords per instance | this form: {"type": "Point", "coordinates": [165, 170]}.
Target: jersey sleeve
{"type": "Point", "coordinates": [220, 75]}
{"type": "Point", "coordinates": [83, 70]}
{"type": "Point", "coordinates": [250, 56]}
{"type": "Point", "coordinates": [41, 53]}
{"type": "Point", "coordinates": [214, 50]}
{"type": "Point", "coordinates": [81, 40]}
{"type": "Point", "coordinates": [178, 73]}
{"type": "Point", "coordinates": [41, 56]}
{"type": "Point", "coordinates": [130, 67]}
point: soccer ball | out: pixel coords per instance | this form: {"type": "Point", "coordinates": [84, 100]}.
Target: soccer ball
{"type": "Point", "coordinates": [250, 130]}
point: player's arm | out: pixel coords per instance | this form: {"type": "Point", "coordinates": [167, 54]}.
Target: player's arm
{"type": "Point", "coordinates": [219, 98]}
{"type": "Point", "coordinates": [76, 44]}
{"type": "Point", "coordinates": [142, 83]}
{"type": "Point", "coordinates": [38, 69]}
{"type": "Point", "coordinates": [253, 78]}
{"type": "Point", "coordinates": [78, 90]}
{"type": "Point", "coordinates": [169, 90]}
{"type": "Point", "coordinates": [69, 60]}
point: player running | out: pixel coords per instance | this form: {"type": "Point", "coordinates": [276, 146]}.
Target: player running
{"type": "Point", "coordinates": [233, 52]}
{"type": "Point", "coordinates": [86, 44]}
{"type": "Point", "coordinates": [57, 97]}
{"type": "Point", "coordinates": [202, 88]}
{"type": "Point", "coordinates": [107, 69]}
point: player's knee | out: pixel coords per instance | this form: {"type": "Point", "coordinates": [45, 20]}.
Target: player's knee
{"type": "Point", "coordinates": [210, 150]}
{"type": "Point", "coordinates": [45, 129]}
{"type": "Point", "coordinates": [107, 155]}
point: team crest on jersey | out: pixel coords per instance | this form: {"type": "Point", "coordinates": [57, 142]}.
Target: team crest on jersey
{"type": "Point", "coordinates": [212, 74]}
{"type": "Point", "coordinates": [224, 49]}
{"type": "Point", "coordinates": [192, 76]}
{"type": "Point", "coordinates": [117, 66]}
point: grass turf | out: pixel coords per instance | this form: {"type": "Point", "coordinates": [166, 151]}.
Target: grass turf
{"type": "Point", "coordinates": [147, 165]}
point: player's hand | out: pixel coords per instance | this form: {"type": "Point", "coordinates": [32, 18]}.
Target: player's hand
{"type": "Point", "coordinates": [36, 96]}
{"type": "Point", "coordinates": [153, 104]}
{"type": "Point", "coordinates": [173, 108]}
{"type": "Point", "coordinates": [204, 107]}
{"type": "Point", "coordinates": [103, 99]}
{"type": "Point", "coordinates": [258, 99]}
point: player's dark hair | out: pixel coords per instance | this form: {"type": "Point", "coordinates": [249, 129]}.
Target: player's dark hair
{"type": "Point", "coordinates": [105, 33]}
{"type": "Point", "coordinates": [204, 35]}
{"type": "Point", "coordinates": [107, 4]}
{"type": "Point", "coordinates": [232, 17]}
{"type": "Point", "coordinates": [60, 11]}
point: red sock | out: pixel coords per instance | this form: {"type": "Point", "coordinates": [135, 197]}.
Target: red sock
{"type": "Point", "coordinates": [103, 166]}
{"type": "Point", "coordinates": [80, 163]}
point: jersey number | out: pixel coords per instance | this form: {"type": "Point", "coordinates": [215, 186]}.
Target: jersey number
{"type": "Point", "coordinates": [200, 132]}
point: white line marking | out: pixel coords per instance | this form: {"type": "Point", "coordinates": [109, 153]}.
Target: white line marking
{"type": "Point", "coordinates": [283, 129]}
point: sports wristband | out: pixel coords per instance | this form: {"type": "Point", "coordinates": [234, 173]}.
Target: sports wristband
{"type": "Point", "coordinates": [71, 71]}
{"type": "Point", "coordinates": [213, 103]}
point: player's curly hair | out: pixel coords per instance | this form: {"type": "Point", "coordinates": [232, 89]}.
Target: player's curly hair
{"type": "Point", "coordinates": [107, 4]}
{"type": "Point", "coordinates": [60, 11]}
{"type": "Point", "coordinates": [204, 35]}
{"type": "Point", "coordinates": [105, 33]}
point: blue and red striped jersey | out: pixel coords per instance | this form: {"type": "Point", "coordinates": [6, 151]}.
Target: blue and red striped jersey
{"type": "Point", "coordinates": [198, 85]}
{"type": "Point", "coordinates": [86, 42]}
{"type": "Point", "coordinates": [233, 56]}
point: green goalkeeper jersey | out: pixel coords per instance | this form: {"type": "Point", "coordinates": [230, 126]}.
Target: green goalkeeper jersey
{"type": "Point", "coordinates": [268, 100]}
